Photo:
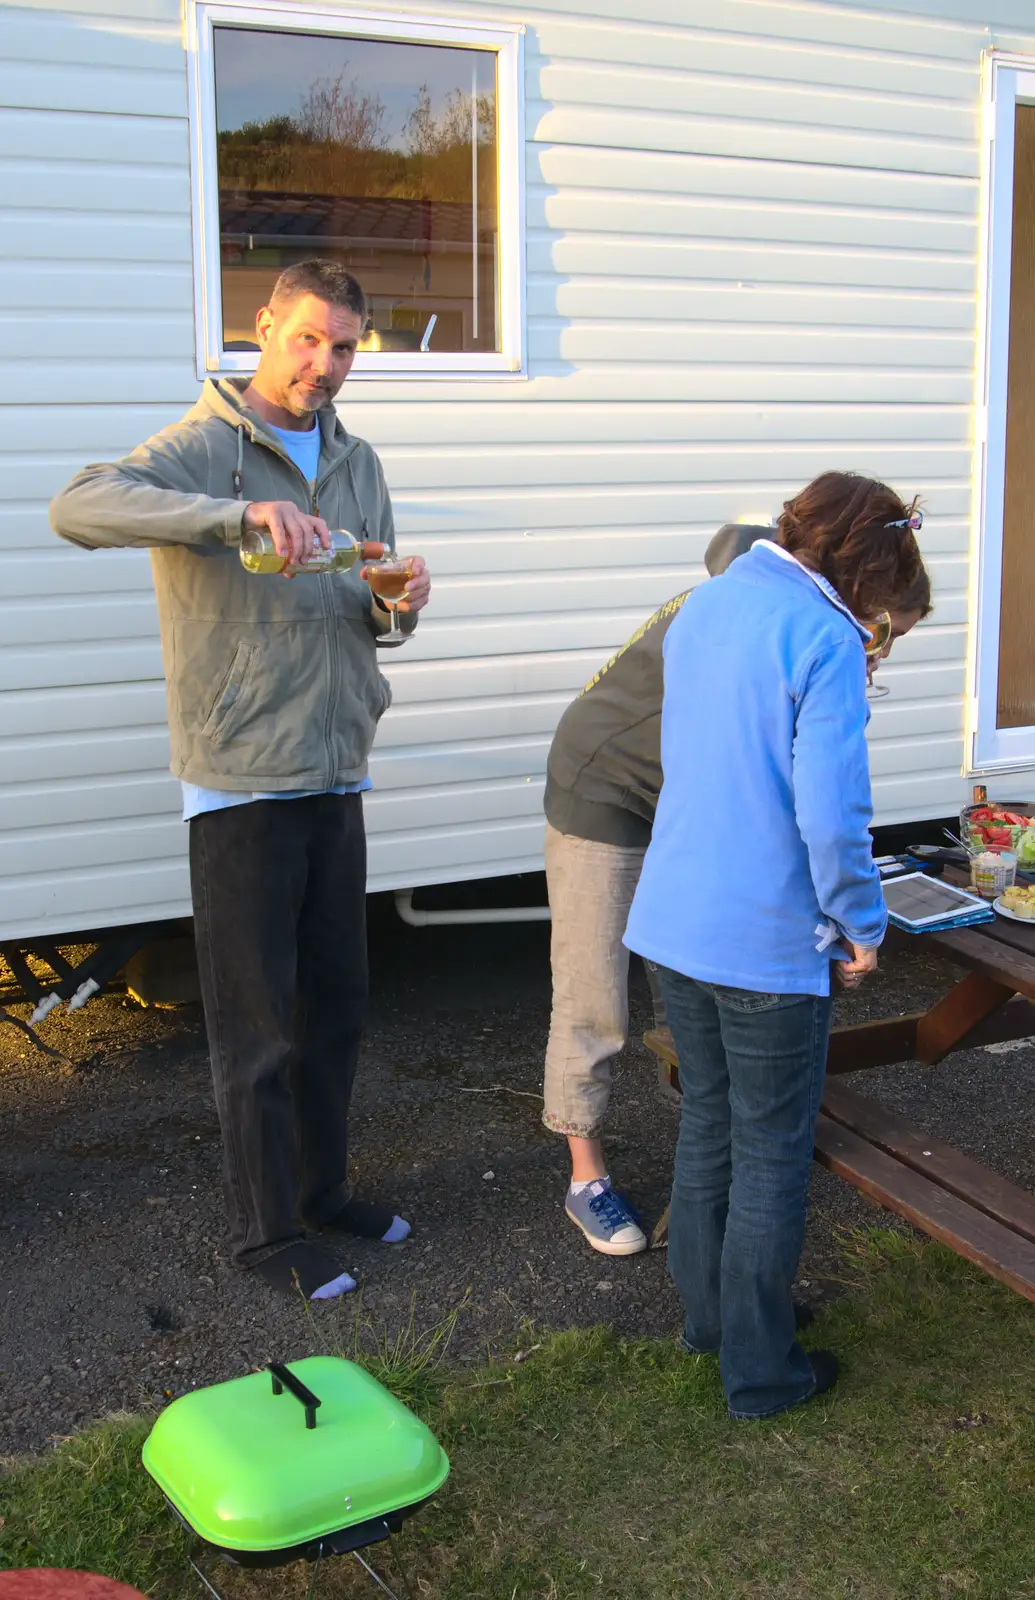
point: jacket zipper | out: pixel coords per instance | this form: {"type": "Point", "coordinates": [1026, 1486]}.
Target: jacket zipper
{"type": "Point", "coordinates": [323, 579]}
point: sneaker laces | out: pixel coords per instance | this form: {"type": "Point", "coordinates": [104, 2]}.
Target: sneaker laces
{"type": "Point", "coordinates": [612, 1210]}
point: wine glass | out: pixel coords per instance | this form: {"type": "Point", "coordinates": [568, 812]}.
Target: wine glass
{"type": "Point", "coordinates": [388, 580]}
{"type": "Point", "coordinates": [880, 638]}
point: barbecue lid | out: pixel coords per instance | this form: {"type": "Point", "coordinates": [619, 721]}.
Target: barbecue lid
{"type": "Point", "coordinates": [288, 1455]}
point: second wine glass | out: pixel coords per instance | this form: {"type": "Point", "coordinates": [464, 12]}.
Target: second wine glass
{"type": "Point", "coordinates": [388, 580]}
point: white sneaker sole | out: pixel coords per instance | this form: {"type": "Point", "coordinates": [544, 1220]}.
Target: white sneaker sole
{"type": "Point", "coordinates": [612, 1247]}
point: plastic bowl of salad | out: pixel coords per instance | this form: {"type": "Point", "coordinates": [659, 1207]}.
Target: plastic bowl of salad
{"type": "Point", "coordinates": [1006, 825]}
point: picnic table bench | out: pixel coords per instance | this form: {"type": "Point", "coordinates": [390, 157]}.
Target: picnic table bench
{"type": "Point", "coordinates": [938, 1189]}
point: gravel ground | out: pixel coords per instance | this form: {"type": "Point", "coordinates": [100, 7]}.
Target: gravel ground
{"type": "Point", "coordinates": [116, 1288]}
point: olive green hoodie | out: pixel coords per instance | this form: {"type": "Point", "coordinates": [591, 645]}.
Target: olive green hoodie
{"type": "Point", "coordinates": [604, 768]}
{"type": "Point", "coordinates": [270, 684]}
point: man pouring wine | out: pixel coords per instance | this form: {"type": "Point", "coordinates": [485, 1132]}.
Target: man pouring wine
{"type": "Point", "coordinates": [274, 696]}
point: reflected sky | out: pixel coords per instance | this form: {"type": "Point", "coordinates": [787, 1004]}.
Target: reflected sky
{"type": "Point", "coordinates": [261, 74]}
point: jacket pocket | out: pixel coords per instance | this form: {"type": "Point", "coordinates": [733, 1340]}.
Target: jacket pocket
{"type": "Point", "coordinates": [232, 696]}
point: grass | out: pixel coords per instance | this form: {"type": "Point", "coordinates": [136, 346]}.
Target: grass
{"type": "Point", "coordinates": [606, 1468]}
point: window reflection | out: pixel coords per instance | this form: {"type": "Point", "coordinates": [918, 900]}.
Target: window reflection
{"type": "Point", "coordinates": [378, 154]}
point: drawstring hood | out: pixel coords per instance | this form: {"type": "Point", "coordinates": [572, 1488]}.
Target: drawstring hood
{"type": "Point", "coordinates": [364, 533]}
{"type": "Point", "coordinates": [238, 474]}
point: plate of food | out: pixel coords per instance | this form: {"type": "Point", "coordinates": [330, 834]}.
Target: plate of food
{"type": "Point", "coordinates": [1017, 904]}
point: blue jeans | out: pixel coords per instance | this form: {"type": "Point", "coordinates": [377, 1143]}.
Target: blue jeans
{"type": "Point", "coordinates": [751, 1068]}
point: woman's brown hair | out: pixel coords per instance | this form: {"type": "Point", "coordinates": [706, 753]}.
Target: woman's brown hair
{"type": "Point", "coordinates": [843, 526]}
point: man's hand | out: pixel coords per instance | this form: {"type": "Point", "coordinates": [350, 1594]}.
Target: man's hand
{"type": "Point", "coordinates": [418, 590]}
{"type": "Point", "coordinates": [296, 535]}
{"type": "Point", "coordinates": [850, 974]}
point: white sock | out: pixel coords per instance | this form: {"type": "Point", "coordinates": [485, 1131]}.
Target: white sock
{"type": "Point", "coordinates": [332, 1290]}
{"type": "Point", "coordinates": [577, 1188]}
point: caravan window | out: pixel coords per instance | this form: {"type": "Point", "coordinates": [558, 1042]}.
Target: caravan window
{"type": "Point", "coordinates": [391, 149]}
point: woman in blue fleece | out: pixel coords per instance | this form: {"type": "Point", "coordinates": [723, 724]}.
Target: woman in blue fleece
{"type": "Point", "coordinates": [760, 866]}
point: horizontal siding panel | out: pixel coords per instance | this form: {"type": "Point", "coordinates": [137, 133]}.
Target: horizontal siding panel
{"type": "Point", "coordinates": [95, 897]}
{"type": "Point", "coordinates": [32, 712]}
{"type": "Point", "coordinates": [112, 845]}
{"type": "Point", "coordinates": [609, 299]}
{"type": "Point", "coordinates": [36, 39]}
{"type": "Point", "coordinates": [845, 27]}
{"type": "Point", "coordinates": [41, 667]}
{"type": "Point", "coordinates": [458, 853]}
{"type": "Point", "coordinates": [751, 260]}
{"type": "Point", "coordinates": [752, 346]}
{"type": "Point", "coordinates": [798, 109]}
{"type": "Point", "coordinates": [453, 805]}
{"type": "Point", "coordinates": [80, 186]}
{"type": "Point", "coordinates": [423, 725]}
{"type": "Point", "coordinates": [71, 802]}
{"type": "Point", "coordinates": [702, 468]}
{"type": "Point", "coordinates": [699, 51]}
{"type": "Point", "coordinates": [617, 211]}
{"type": "Point", "coordinates": [103, 382]}
{"type": "Point", "coordinates": [69, 622]}
{"type": "Point", "coordinates": [99, 236]}
{"type": "Point", "coordinates": [728, 180]}
{"type": "Point", "coordinates": [40, 285]}
{"type": "Point", "coordinates": [75, 336]}
{"type": "Point", "coordinates": [731, 181]}
{"type": "Point", "coordinates": [892, 757]}
{"type": "Point", "coordinates": [123, 752]}
{"type": "Point", "coordinates": [69, 136]}
{"type": "Point", "coordinates": [63, 572]}
{"type": "Point", "coordinates": [158, 92]}
{"type": "Point", "coordinates": [756, 141]}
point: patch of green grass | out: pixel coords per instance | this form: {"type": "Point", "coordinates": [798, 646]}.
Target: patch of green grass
{"type": "Point", "coordinates": [602, 1467]}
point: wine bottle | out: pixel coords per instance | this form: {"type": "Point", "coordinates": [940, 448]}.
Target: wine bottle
{"type": "Point", "coordinates": [259, 554]}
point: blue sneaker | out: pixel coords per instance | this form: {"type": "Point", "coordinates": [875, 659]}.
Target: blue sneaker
{"type": "Point", "coordinates": [608, 1222]}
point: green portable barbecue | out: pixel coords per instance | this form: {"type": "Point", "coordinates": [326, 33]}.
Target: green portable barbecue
{"type": "Point", "coordinates": [293, 1464]}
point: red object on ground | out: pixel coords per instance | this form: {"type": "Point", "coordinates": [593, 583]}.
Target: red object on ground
{"type": "Point", "coordinates": [52, 1583]}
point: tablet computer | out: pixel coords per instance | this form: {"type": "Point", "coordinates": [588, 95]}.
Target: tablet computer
{"type": "Point", "coordinates": [917, 900]}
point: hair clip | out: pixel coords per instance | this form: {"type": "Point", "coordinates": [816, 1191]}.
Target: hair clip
{"type": "Point", "coordinates": [915, 520]}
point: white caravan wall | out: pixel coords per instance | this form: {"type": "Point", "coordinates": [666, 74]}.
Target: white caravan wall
{"type": "Point", "coordinates": [753, 234]}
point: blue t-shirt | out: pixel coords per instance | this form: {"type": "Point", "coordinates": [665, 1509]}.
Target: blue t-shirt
{"type": "Point", "coordinates": [303, 448]}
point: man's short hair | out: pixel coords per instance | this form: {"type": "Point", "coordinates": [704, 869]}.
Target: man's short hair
{"type": "Point", "coordinates": [327, 280]}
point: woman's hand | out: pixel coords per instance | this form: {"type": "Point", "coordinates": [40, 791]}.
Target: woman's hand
{"type": "Point", "coordinates": [850, 974]}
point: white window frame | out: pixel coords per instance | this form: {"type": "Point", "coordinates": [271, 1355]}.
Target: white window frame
{"type": "Point", "coordinates": [1009, 80]}
{"type": "Point", "coordinates": [505, 39]}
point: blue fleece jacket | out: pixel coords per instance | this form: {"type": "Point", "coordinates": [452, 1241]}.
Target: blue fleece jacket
{"type": "Point", "coordinates": [761, 832]}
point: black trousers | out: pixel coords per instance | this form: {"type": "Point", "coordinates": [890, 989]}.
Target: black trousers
{"type": "Point", "coordinates": [279, 891]}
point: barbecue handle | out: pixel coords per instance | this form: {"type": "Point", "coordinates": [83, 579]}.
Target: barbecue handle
{"type": "Point", "coordinates": [284, 1378]}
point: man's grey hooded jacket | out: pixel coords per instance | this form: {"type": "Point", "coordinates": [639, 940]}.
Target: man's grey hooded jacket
{"type": "Point", "coordinates": [271, 684]}
{"type": "Point", "coordinates": [603, 774]}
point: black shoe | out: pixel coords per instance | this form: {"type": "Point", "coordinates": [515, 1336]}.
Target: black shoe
{"type": "Point", "coordinates": [824, 1365]}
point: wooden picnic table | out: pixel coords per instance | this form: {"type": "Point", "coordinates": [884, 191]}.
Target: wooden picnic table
{"type": "Point", "coordinates": [941, 1191]}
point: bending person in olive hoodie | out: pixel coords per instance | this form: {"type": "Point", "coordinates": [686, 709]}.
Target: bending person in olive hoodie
{"type": "Point", "coordinates": [274, 696]}
{"type": "Point", "coordinates": [602, 785]}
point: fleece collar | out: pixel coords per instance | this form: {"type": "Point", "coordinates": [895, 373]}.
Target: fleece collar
{"type": "Point", "coordinates": [825, 588]}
